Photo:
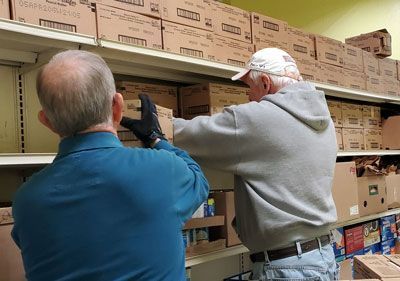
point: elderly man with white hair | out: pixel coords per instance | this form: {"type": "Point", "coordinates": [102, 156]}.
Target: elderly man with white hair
{"type": "Point", "coordinates": [102, 211]}
{"type": "Point", "coordinates": [281, 148]}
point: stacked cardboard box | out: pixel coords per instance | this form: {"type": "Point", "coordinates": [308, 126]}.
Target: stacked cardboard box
{"type": "Point", "coordinates": [377, 266]}
{"type": "Point", "coordinates": [4, 9]}
{"type": "Point", "coordinates": [71, 16]}
{"type": "Point", "coordinates": [377, 42]}
{"type": "Point", "coordinates": [165, 96]}
{"type": "Point", "coordinates": [210, 98]}
{"type": "Point", "coordinates": [150, 8]}
{"type": "Point", "coordinates": [335, 109]}
{"type": "Point", "coordinates": [268, 32]}
{"type": "Point", "coordinates": [372, 127]}
{"type": "Point", "coordinates": [132, 109]}
{"type": "Point", "coordinates": [133, 28]}
{"type": "Point", "coordinates": [353, 137]}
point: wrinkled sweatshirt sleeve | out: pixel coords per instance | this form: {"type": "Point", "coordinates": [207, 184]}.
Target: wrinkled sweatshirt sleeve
{"type": "Point", "coordinates": [210, 140]}
{"type": "Point", "coordinates": [191, 187]}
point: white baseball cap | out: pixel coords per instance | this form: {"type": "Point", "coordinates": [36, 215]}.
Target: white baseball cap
{"type": "Point", "coordinates": [272, 61]}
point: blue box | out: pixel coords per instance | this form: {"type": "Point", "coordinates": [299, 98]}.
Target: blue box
{"type": "Point", "coordinates": [356, 253]}
{"type": "Point", "coordinates": [388, 227]}
{"type": "Point", "coordinates": [388, 247]}
{"type": "Point", "coordinates": [338, 241]}
{"type": "Point", "coordinates": [373, 249]}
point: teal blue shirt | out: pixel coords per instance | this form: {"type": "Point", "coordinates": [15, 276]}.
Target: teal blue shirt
{"type": "Point", "coordinates": [102, 211]}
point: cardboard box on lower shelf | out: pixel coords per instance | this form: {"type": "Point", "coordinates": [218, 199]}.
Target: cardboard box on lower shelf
{"type": "Point", "coordinates": [391, 133]}
{"type": "Point", "coordinates": [204, 248]}
{"type": "Point", "coordinates": [132, 109]}
{"type": "Point", "coordinates": [372, 139]}
{"type": "Point", "coordinates": [11, 266]}
{"type": "Point", "coordinates": [353, 139]}
{"type": "Point", "coordinates": [376, 266]}
{"type": "Point", "coordinates": [4, 9]}
{"type": "Point", "coordinates": [371, 195]}
{"type": "Point", "coordinates": [205, 222]}
{"type": "Point", "coordinates": [345, 191]}
{"type": "Point", "coordinates": [339, 138]}
{"type": "Point", "coordinates": [335, 109]}
{"type": "Point", "coordinates": [393, 190]}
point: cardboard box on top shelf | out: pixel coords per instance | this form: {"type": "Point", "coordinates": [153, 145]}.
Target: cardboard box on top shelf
{"type": "Point", "coordinates": [332, 74]}
{"type": "Point", "coordinates": [371, 117]}
{"type": "Point", "coordinates": [231, 22]}
{"type": "Point", "coordinates": [231, 51]}
{"type": "Point", "coordinates": [210, 98]}
{"type": "Point", "coordinates": [11, 266]}
{"type": "Point", "coordinates": [329, 50]}
{"type": "Point", "coordinates": [339, 138]}
{"type": "Point", "coordinates": [393, 190]}
{"type": "Point", "coordinates": [345, 191]}
{"type": "Point", "coordinates": [353, 139]}
{"type": "Point", "coordinates": [391, 132]}
{"type": "Point", "coordinates": [194, 13]}
{"type": "Point", "coordinates": [145, 7]}
{"type": "Point", "coordinates": [225, 205]}
{"type": "Point", "coordinates": [371, 63]}
{"type": "Point", "coordinates": [301, 44]}
{"type": "Point", "coordinates": [71, 16]}
{"type": "Point", "coordinates": [352, 115]}
{"type": "Point", "coordinates": [352, 58]}
{"type": "Point", "coordinates": [387, 68]}
{"type": "Point", "coordinates": [268, 32]}
{"type": "Point", "coordinates": [371, 233]}
{"type": "Point", "coordinates": [354, 80]}
{"type": "Point", "coordinates": [335, 109]}
{"type": "Point", "coordinates": [4, 9]}
{"type": "Point", "coordinates": [132, 109]}
{"type": "Point", "coordinates": [375, 84]}
{"type": "Point", "coordinates": [310, 69]}
{"type": "Point", "coordinates": [163, 95]}
{"type": "Point", "coordinates": [371, 195]}
{"type": "Point", "coordinates": [133, 28]}
{"type": "Point", "coordinates": [188, 41]}
{"type": "Point", "coordinates": [373, 139]}
{"type": "Point", "coordinates": [391, 86]}
{"type": "Point", "coordinates": [377, 42]}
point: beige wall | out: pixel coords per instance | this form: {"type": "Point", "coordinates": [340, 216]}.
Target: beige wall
{"type": "Point", "coordinates": [337, 19]}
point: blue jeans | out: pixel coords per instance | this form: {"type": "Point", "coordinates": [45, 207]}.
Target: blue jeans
{"type": "Point", "coordinates": [317, 264]}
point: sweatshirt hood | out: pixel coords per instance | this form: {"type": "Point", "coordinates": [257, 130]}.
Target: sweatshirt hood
{"type": "Point", "coordinates": [304, 102]}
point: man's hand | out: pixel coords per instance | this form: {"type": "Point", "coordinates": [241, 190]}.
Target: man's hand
{"type": "Point", "coordinates": [148, 128]}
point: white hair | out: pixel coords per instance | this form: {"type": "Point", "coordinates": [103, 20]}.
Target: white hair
{"type": "Point", "coordinates": [76, 90]}
{"type": "Point", "coordinates": [278, 81]}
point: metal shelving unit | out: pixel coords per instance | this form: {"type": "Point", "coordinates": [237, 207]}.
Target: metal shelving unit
{"type": "Point", "coordinates": [29, 46]}
{"type": "Point", "coordinates": [368, 153]}
{"type": "Point", "coordinates": [230, 251]}
{"type": "Point", "coordinates": [367, 218]}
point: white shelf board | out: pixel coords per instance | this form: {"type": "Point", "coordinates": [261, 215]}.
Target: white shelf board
{"type": "Point", "coordinates": [25, 159]}
{"type": "Point", "coordinates": [158, 63]}
{"type": "Point", "coordinates": [367, 218]}
{"type": "Point", "coordinates": [340, 92]}
{"type": "Point", "coordinates": [22, 42]}
{"type": "Point", "coordinates": [368, 153]}
{"type": "Point", "coordinates": [227, 252]}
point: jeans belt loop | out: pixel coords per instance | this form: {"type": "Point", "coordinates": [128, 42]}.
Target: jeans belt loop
{"type": "Point", "coordinates": [299, 251]}
{"type": "Point", "coordinates": [319, 244]}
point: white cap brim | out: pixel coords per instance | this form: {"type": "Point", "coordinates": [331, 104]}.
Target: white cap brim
{"type": "Point", "coordinates": [240, 74]}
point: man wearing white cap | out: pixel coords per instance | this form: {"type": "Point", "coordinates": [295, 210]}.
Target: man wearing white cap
{"type": "Point", "coordinates": [281, 148]}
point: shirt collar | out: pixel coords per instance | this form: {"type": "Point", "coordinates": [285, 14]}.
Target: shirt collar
{"type": "Point", "coordinates": [87, 141]}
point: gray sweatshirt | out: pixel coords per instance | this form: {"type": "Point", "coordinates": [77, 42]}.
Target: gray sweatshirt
{"type": "Point", "coordinates": [282, 152]}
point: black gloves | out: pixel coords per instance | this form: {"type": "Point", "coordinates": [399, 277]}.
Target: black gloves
{"type": "Point", "coordinates": [148, 128]}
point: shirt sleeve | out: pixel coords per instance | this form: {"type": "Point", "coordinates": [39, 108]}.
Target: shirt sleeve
{"type": "Point", "coordinates": [211, 140]}
{"type": "Point", "coordinates": [190, 185]}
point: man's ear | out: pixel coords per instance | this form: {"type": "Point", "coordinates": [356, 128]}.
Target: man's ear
{"type": "Point", "coordinates": [117, 107]}
{"type": "Point", "coordinates": [266, 82]}
{"type": "Point", "coordinates": [45, 121]}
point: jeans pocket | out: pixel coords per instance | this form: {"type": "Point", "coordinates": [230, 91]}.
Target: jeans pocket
{"type": "Point", "coordinates": [295, 273]}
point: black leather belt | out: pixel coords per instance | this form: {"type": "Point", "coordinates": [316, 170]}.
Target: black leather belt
{"type": "Point", "coordinates": [290, 251]}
